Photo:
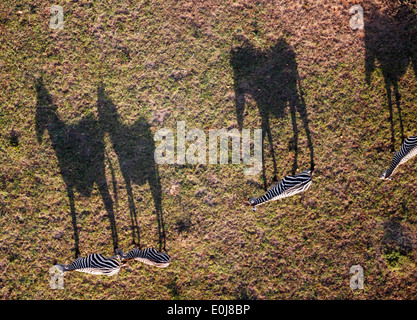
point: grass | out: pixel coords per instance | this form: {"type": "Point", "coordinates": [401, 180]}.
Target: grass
{"type": "Point", "coordinates": [169, 61]}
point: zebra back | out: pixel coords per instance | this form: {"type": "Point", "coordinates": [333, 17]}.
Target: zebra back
{"type": "Point", "coordinates": [96, 264]}
{"type": "Point", "coordinates": [148, 256]}
{"type": "Point", "coordinates": [407, 151]}
{"type": "Point", "coordinates": [288, 186]}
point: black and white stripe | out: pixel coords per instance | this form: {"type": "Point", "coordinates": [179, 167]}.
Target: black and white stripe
{"type": "Point", "coordinates": [287, 187]}
{"type": "Point", "coordinates": [407, 151]}
{"type": "Point", "coordinates": [149, 256]}
{"type": "Point", "coordinates": [95, 264]}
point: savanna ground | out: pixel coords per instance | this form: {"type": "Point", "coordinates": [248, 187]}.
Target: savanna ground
{"type": "Point", "coordinates": [168, 61]}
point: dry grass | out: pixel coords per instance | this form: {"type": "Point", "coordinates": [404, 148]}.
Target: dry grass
{"type": "Point", "coordinates": [169, 61]}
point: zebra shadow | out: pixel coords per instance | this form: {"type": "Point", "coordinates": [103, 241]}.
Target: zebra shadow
{"type": "Point", "coordinates": [391, 41]}
{"type": "Point", "coordinates": [80, 151]}
{"type": "Point", "coordinates": [271, 78]}
{"type": "Point", "coordinates": [134, 146]}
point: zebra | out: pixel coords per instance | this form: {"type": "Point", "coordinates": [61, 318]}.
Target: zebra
{"type": "Point", "coordinates": [148, 256]}
{"type": "Point", "coordinates": [287, 187]}
{"type": "Point", "coordinates": [95, 263]}
{"type": "Point", "coordinates": [407, 151]}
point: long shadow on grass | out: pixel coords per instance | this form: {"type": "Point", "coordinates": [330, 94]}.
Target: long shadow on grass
{"type": "Point", "coordinates": [134, 146]}
{"type": "Point", "coordinates": [391, 39]}
{"type": "Point", "coordinates": [80, 151]}
{"type": "Point", "coordinates": [271, 78]}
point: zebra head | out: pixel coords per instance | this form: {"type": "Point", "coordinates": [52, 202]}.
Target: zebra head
{"type": "Point", "coordinates": [383, 176]}
{"type": "Point", "coordinates": [252, 202]}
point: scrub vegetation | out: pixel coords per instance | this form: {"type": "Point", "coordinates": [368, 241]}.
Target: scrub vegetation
{"type": "Point", "coordinates": [79, 108]}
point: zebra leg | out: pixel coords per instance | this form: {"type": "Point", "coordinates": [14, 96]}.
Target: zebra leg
{"type": "Point", "coordinates": [70, 193]}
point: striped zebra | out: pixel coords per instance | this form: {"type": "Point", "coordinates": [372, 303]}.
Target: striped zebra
{"type": "Point", "coordinates": [149, 256]}
{"type": "Point", "coordinates": [95, 264]}
{"type": "Point", "coordinates": [287, 187]}
{"type": "Point", "coordinates": [407, 151]}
